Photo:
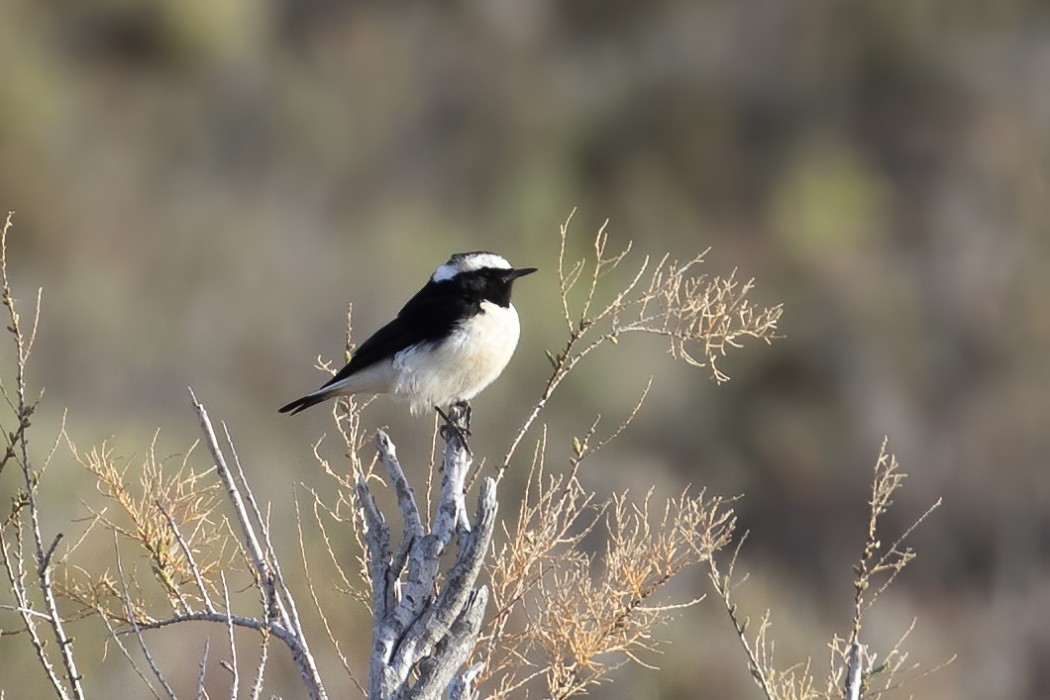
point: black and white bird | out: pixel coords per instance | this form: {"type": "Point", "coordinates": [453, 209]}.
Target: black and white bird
{"type": "Point", "coordinates": [450, 341]}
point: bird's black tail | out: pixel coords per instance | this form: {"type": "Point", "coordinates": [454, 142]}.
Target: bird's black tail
{"type": "Point", "coordinates": [303, 403]}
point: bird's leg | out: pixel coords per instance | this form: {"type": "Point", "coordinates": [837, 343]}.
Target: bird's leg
{"type": "Point", "coordinates": [458, 416]}
{"type": "Point", "coordinates": [462, 412]}
{"type": "Point", "coordinates": [457, 420]}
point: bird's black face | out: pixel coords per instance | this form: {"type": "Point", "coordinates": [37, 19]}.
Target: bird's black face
{"type": "Point", "coordinates": [491, 284]}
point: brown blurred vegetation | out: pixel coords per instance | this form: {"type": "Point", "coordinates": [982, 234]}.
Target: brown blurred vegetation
{"type": "Point", "coordinates": [201, 187]}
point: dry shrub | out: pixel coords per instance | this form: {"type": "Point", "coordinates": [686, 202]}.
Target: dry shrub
{"type": "Point", "coordinates": [565, 613]}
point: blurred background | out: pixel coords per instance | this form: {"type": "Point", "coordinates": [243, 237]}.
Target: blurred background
{"type": "Point", "coordinates": [201, 188]}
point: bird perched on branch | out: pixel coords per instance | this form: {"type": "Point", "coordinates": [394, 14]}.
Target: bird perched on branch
{"type": "Point", "coordinates": [450, 341]}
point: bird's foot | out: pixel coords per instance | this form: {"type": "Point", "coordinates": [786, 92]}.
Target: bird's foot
{"type": "Point", "coordinates": [461, 413]}
{"type": "Point", "coordinates": [457, 422]}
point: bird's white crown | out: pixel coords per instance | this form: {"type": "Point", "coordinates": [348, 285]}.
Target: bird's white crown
{"type": "Point", "coordinates": [468, 262]}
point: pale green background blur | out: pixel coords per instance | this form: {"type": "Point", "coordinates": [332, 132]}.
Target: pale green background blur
{"type": "Point", "coordinates": [202, 186]}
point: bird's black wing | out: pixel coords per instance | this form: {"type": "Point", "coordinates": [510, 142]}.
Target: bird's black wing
{"type": "Point", "coordinates": [428, 316]}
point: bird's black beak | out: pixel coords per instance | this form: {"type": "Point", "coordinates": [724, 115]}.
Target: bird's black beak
{"type": "Point", "coordinates": [521, 272]}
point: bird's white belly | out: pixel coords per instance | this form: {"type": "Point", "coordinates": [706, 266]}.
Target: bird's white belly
{"type": "Point", "coordinates": [460, 366]}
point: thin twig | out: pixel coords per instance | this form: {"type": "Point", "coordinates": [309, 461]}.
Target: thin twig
{"type": "Point", "coordinates": [234, 670]}
{"type": "Point", "coordinates": [127, 655]}
{"type": "Point", "coordinates": [258, 558]}
{"type": "Point", "coordinates": [724, 586]}
{"type": "Point", "coordinates": [47, 556]}
{"type": "Point", "coordinates": [188, 553]}
{"type": "Point", "coordinates": [13, 565]}
{"type": "Point", "coordinates": [264, 653]}
{"type": "Point", "coordinates": [23, 410]}
{"type": "Point", "coordinates": [318, 607]}
{"type": "Point", "coordinates": [132, 618]}
{"type": "Point", "coordinates": [201, 692]}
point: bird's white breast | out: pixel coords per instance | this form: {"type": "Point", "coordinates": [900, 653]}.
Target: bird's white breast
{"type": "Point", "coordinates": [461, 365]}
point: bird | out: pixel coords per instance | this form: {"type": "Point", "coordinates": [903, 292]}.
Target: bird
{"type": "Point", "coordinates": [449, 341]}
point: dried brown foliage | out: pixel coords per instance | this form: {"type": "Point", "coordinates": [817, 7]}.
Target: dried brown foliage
{"type": "Point", "coordinates": [171, 516]}
{"type": "Point", "coordinates": [570, 617]}
{"type": "Point", "coordinates": [701, 316]}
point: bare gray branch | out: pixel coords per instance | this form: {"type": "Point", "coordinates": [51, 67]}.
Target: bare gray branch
{"type": "Point", "coordinates": [429, 625]}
